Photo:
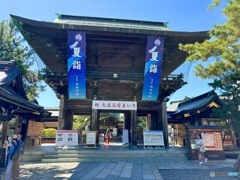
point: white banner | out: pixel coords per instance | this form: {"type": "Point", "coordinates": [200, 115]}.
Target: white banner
{"type": "Point", "coordinates": [114, 105]}
{"type": "Point", "coordinates": [67, 138]}
{"type": "Point", "coordinates": [125, 136]}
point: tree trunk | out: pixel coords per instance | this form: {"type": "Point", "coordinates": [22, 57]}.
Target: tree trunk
{"type": "Point", "coordinates": [236, 167]}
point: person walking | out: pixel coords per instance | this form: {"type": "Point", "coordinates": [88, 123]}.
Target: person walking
{"type": "Point", "coordinates": [16, 161]}
{"type": "Point", "coordinates": [8, 172]}
{"type": "Point", "coordinates": [108, 135]}
{"type": "Point", "coordinates": [200, 147]}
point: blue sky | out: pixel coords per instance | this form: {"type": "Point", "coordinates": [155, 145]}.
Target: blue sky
{"type": "Point", "coordinates": [185, 15]}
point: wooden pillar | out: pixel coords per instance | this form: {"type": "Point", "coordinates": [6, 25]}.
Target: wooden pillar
{"type": "Point", "coordinates": [159, 120]}
{"type": "Point", "coordinates": [62, 112]}
{"type": "Point", "coordinates": [165, 124]}
{"type": "Point", "coordinates": [148, 123]}
{"type": "Point", "coordinates": [134, 127]}
{"type": "Point", "coordinates": [127, 125]}
{"type": "Point", "coordinates": [127, 121]}
{"type": "Point", "coordinates": [94, 120]}
{"type": "Point", "coordinates": [68, 121]}
{"type": "Point", "coordinates": [94, 123]}
{"type": "Point", "coordinates": [154, 121]}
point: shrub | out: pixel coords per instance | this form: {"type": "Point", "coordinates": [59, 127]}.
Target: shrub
{"type": "Point", "coordinates": [49, 133]}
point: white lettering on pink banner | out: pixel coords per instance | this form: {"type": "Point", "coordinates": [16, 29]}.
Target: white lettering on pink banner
{"type": "Point", "coordinates": [115, 105]}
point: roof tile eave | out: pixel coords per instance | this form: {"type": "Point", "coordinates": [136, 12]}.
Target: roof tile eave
{"type": "Point", "coordinates": [193, 106]}
{"type": "Point", "coordinates": [14, 99]}
{"type": "Point", "coordinates": [21, 20]}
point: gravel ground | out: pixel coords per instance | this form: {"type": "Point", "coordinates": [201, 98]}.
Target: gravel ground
{"type": "Point", "coordinates": [195, 174]}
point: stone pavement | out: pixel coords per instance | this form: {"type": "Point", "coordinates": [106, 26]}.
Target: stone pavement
{"type": "Point", "coordinates": [117, 170]}
{"type": "Point", "coordinates": [138, 169]}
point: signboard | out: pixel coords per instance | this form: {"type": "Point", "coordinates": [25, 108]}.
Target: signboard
{"type": "Point", "coordinates": [91, 138]}
{"type": "Point", "coordinates": [212, 140]}
{"type": "Point", "coordinates": [67, 138]}
{"type": "Point", "coordinates": [35, 128]}
{"type": "Point", "coordinates": [125, 139]}
{"type": "Point", "coordinates": [153, 138]}
{"type": "Point", "coordinates": [115, 105]}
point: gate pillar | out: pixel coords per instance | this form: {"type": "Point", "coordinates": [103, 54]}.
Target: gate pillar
{"type": "Point", "coordinates": [94, 123]}
{"type": "Point", "coordinates": [134, 127]}
{"type": "Point", "coordinates": [165, 123]}
{"type": "Point", "coordinates": [62, 112]}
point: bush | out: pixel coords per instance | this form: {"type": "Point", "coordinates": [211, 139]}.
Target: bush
{"type": "Point", "coordinates": [49, 133]}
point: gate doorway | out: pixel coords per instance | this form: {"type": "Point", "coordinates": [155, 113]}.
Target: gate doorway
{"type": "Point", "coordinates": [113, 121]}
{"type": "Point", "coordinates": [116, 121]}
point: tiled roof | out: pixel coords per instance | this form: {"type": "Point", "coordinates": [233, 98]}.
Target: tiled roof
{"type": "Point", "coordinates": [11, 89]}
{"type": "Point", "coordinates": [197, 103]}
{"type": "Point", "coordinates": [110, 22]}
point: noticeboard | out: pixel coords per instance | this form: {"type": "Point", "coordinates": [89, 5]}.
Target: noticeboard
{"type": "Point", "coordinates": [212, 139]}
{"type": "Point", "coordinates": [91, 138]}
{"type": "Point", "coordinates": [153, 138]}
{"type": "Point", "coordinates": [34, 128]}
{"type": "Point", "coordinates": [67, 138]}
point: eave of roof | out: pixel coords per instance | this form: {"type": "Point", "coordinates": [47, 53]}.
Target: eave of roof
{"type": "Point", "coordinates": [110, 22]}
{"type": "Point", "coordinates": [118, 29]}
{"type": "Point", "coordinates": [196, 103]}
{"type": "Point", "coordinates": [15, 99]}
{"type": "Point", "coordinates": [9, 96]}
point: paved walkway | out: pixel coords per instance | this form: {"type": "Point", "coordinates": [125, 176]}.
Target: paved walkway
{"type": "Point", "coordinates": [123, 170]}
{"type": "Point", "coordinates": [120, 170]}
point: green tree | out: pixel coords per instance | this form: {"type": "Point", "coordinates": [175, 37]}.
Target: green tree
{"type": "Point", "coordinates": [229, 87]}
{"type": "Point", "coordinates": [13, 47]}
{"type": "Point", "coordinates": [222, 50]}
{"type": "Point", "coordinates": [218, 59]}
{"type": "Point", "coordinates": [49, 133]}
{"type": "Point", "coordinates": [80, 122]}
{"type": "Point", "coordinates": [141, 121]}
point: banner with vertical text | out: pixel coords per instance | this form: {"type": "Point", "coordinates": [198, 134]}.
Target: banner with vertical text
{"type": "Point", "coordinates": [153, 68]}
{"type": "Point", "coordinates": [77, 65]}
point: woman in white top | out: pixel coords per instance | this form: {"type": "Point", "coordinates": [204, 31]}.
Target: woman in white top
{"type": "Point", "coordinates": [201, 150]}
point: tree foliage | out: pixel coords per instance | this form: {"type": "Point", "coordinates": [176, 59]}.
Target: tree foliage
{"type": "Point", "coordinates": [13, 47]}
{"type": "Point", "coordinates": [222, 50]}
{"type": "Point", "coordinates": [80, 122]}
{"type": "Point", "coordinates": [49, 133]}
{"type": "Point", "coordinates": [141, 121]}
{"type": "Point", "coordinates": [229, 86]}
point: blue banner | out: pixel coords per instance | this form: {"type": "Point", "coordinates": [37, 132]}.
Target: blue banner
{"type": "Point", "coordinates": [153, 68]}
{"type": "Point", "coordinates": [77, 65]}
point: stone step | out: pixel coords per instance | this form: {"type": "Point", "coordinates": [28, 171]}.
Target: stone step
{"type": "Point", "coordinates": [103, 154]}
{"type": "Point", "coordinates": [109, 160]}
{"type": "Point", "coordinates": [113, 156]}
